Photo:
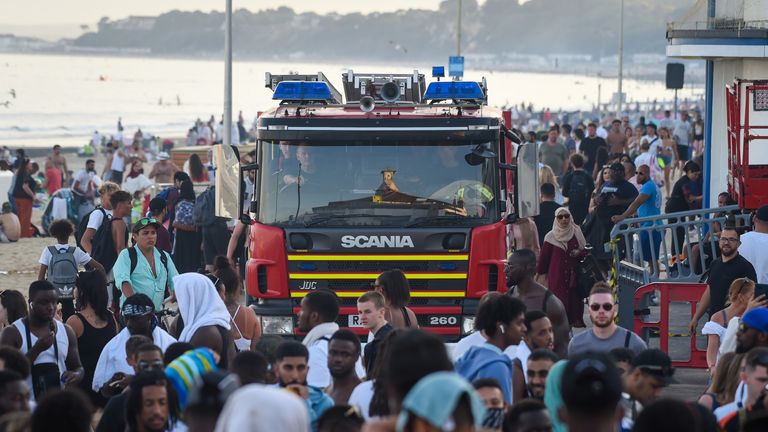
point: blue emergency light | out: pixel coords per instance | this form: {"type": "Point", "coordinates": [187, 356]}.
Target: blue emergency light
{"type": "Point", "coordinates": [438, 71]}
{"type": "Point", "coordinates": [302, 91]}
{"type": "Point", "coordinates": [454, 90]}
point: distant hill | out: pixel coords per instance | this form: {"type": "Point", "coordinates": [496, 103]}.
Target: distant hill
{"type": "Point", "coordinates": [588, 27]}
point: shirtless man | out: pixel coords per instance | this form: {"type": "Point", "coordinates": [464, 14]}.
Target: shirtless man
{"type": "Point", "coordinates": [617, 141]}
{"type": "Point", "coordinates": [59, 161]}
{"type": "Point", "coordinates": [10, 228]}
{"type": "Point", "coordinates": [163, 170]}
{"type": "Point", "coordinates": [520, 270]}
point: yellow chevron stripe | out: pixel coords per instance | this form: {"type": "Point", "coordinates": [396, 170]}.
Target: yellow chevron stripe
{"type": "Point", "coordinates": [324, 276]}
{"type": "Point", "coordinates": [444, 257]}
{"type": "Point", "coordinates": [355, 294]}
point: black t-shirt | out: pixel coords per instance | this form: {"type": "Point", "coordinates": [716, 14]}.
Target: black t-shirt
{"type": "Point", "coordinates": [589, 147]}
{"type": "Point", "coordinates": [113, 417]}
{"type": "Point", "coordinates": [721, 275]}
{"type": "Point", "coordinates": [677, 201]}
{"type": "Point", "coordinates": [372, 347]}
{"type": "Point", "coordinates": [622, 190]}
{"type": "Point", "coordinates": [18, 191]}
{"type": "Point", "coordinates": [545, 218]}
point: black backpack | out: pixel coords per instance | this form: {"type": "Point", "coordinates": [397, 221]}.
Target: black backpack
{"type": "Point", "coordinates": [103, 249]}
{"type": "Point", "coordinates": [579, 190]}
{"type": "Point", "coordinates": [83, 225]}
{"type": "Point", "coordinates": [134, 257]}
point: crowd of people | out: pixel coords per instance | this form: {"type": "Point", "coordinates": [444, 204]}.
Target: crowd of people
{"type": "Point", "coordinates": [98, 343]}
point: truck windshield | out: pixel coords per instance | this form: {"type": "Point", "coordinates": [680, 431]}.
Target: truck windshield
{"type": "Point", "coordinates": [365, 184]}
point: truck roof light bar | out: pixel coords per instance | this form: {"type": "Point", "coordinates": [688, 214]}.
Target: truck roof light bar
{"type": "Point", "coordinates": [358, 85]}
{"type": "Point", "coordinates": [302, 91]}
{"type": "Point", "coordinates": [455, 90]}
{"type": "Point", "coordinates": [272, 81]}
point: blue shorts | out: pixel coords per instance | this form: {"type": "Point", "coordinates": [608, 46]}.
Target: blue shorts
{"type": "Point", "coordinates": [645, 244]}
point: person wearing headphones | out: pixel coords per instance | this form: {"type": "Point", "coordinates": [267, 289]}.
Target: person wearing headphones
{"type": "Point", "coordinates": [112, 369]}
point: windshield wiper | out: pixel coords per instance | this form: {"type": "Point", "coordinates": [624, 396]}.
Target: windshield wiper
{"type": "Point", "coordinates": [444, 220]}
{"type": "Point", "coordinates": [324, 219]}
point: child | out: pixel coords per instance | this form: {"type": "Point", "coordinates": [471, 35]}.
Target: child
{"type": "Point", "coordinates": [64, 264]}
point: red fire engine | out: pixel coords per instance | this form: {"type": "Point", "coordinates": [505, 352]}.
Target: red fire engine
{"type": "Point", "coordinates": [395, 175]}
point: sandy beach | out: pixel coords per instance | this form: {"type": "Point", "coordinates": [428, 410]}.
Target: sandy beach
{"type": "Point", "coordinates": [19, 261]}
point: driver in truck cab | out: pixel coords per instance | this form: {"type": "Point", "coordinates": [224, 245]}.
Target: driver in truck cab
{"type": "Point", "coordinates": [297, 169]}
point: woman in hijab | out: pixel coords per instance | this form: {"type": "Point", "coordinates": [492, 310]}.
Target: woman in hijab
{"type": "Point", "coordinates": [560, 254]}
{"type": "Point", "coordinates": [204, 318]}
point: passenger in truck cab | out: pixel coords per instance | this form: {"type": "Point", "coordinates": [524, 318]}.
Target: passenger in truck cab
{"type": "Point", "coordinates": [393, 285]}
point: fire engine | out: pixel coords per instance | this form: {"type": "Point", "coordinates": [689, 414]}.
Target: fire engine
{"type": "Point", "coordinates": [396, 174]}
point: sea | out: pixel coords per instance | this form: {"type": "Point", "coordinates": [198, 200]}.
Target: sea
{"type": "Point", "coordinates": [62, 99]}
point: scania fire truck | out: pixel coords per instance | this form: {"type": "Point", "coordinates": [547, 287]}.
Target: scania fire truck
{"type": "Point", "coordinates": [395, 174]}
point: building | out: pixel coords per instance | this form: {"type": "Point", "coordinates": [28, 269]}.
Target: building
{"type": "Point", "coordinates": [732, 36]}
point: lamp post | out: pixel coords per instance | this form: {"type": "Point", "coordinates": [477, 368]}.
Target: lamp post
{"type": "Point", "coordinates": [621, 60]}
{"type": "Point", "coordinates": [228, 75]}
{"type": "Point", "coordinates": [458, 31]}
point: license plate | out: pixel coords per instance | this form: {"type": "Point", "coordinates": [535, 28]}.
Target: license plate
{"type": "Point", "coordinates": [354, 321]}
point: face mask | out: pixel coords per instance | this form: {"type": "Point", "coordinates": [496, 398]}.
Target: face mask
{"type": "Point", "coordinates": [493, 419]}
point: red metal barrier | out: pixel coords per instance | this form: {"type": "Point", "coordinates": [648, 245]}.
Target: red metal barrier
{"type": "Point", "coordinates": [672, 292]}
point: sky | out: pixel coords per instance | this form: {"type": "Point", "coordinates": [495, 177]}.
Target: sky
{"type": "Point", "coordinates": [46, 12]}
{"type": "Point", "coordinates": [54, 19]}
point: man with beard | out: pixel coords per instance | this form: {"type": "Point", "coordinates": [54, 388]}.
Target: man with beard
{"type": "Point", "coordinates": [291, 370]}
{"type": "Point", "coordinates": [84, 187]}
{"type": "Point", "coordinates": [753, 330]}
{"type": "Point", "coordinates": [520, 270]}
{"type": "Point", "coordinates": [605, 335]}
{"type": "Point", "coordinates": [723, 271]}
{"type": "Point", "coordinates": [537, 370]}
{"type": "Point", "coordinates": [150, 406]}
{"type": "Point", "coordinates": [139, 314]}
{"type": "Point", "coordinates": [343, 353]}
{"type": "Point", "coordinates": [538, 335]}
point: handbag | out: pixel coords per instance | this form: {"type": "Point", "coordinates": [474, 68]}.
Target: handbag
{"type": "Point", "coordinates": [45, 376]}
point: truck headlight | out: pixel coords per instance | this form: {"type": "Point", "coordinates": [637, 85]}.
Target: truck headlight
{"type": "Point", "coordinates": [281, 325]}
{"type": "Point", "coordinates": [467, 324]}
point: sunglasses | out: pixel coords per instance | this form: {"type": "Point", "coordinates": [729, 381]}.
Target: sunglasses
{"type": "Point", "coordinates": [639, 173]}
{"type": "Point", "coordinates": [563, 216]}
{"type": "Point", "coordinates": [146, 221]}
{"type": "Point", "coordinates": [743, 327]}
{"type": "Point", "coordinates": [596, 306]}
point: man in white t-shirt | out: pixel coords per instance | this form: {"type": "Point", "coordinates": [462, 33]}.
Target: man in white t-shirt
{"type": "Point", "coordinates": [755, 243]}
{"type": "Point", "coordinates": [652, 137]}
{"type": "Point", "coordinates": [538, 335]}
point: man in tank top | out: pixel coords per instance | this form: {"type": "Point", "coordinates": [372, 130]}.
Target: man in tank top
{"type": "Point", "coordinates": [50, 345]}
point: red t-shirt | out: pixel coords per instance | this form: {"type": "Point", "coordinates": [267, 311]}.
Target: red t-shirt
{"type": "Point", "coordinates": [53, 180]}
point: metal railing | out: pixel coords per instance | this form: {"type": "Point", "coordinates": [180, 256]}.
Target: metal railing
{"type": "Point", "coordinates": [733, 24]}
{"type": "Point", "coordinates": [680, 233]}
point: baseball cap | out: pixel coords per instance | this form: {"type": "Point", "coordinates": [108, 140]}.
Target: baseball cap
{"type": "Point", "coordinates": [656, 363]}
{"type": "Point", "coordinates": [757, 319]}
{"type": "Point", "coordinates": [591, 384]}
{"type": "Point", "coordinates": [145, 222]}
{"type": "Point", "coordinates": [163, 156]}
{"type": "Point", "coordinates": [435, 397]}
{"type": "Point", "coordinates": [762, 213]}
